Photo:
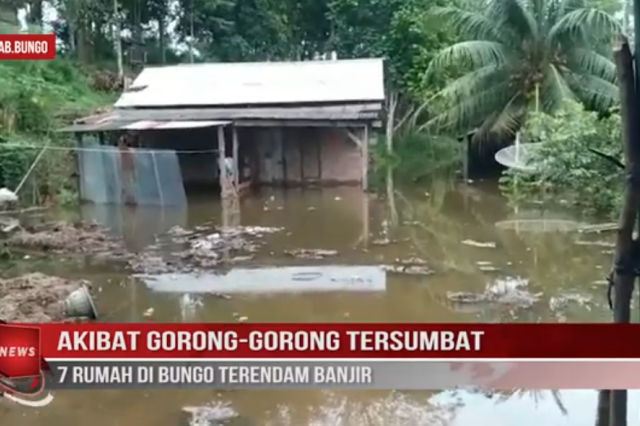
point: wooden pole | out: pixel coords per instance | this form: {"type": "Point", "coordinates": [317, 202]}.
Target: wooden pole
{"type": "Point", "coordinates": [365, 158]}
{"type": "Point", "coordinates": [221, 158]}
{"type": "Point", "coordinates": [236, 169]}
{"type": "Point", "coordinates": [624, 267]}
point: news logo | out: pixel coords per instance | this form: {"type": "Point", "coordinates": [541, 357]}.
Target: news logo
{"type": "Point", "coordinates": [22, 368]}
{"type": "Point", "coordinates": [19, 351]}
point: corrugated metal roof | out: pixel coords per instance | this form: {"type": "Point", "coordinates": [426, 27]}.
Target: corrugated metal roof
{"type": "Point", "coordinates": [257, 83]}
{"type": "Point", "coordinates": [163, 125]}
{"type": "Point", "coordinates": [110, 122]}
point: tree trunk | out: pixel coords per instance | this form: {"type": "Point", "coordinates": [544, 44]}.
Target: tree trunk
{"type": "Point", "coordinates": [35, 14]}
{"type": "Point", "coordinates": [161, 39]}
{"type": "Point", "coordinates": [623, 274]}
{"type": "Point", "coordinates": [603, 414]}
{"type": "Point", "coordinates": [117, 39]}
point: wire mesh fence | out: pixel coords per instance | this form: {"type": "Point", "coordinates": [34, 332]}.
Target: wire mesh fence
{"type": "Point", "coordinates": [144, 177]}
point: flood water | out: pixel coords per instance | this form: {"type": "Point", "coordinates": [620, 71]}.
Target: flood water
{"type": "Point", "coordinates": [468, 235]}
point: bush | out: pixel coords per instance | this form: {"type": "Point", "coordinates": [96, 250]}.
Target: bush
{"type": "Point", "coordinates": [36, 98]}
{"type": "Point", "coordinates": [565, 169]}
{"type": "Point", "coordinates": [416, 156]}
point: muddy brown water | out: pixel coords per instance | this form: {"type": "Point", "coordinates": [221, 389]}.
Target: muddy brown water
{"type": "Point", "coordinates": [453, 228]}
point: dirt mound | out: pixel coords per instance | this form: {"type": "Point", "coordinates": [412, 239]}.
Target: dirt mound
{"type": "Point", "coordinates": [67, 238]}
{"type": "Point", "coordinates": [35, 297]}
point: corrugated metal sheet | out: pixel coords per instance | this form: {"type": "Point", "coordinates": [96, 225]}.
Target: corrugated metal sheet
{"type": "Point", "coordinates": [114, 122]}
{"type": "Point", "coordinates": [288, 279]}
{"type": "Point", "coordinates": [257, 83]}
{"type": "Point", "coordinates": [164, 125]}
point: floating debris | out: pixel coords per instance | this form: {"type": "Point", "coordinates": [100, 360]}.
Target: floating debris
{"type": "Point", "coordinates": [311, 253]}
{"type": "Point", "coordinates": [9, 225]}
{"type": "Point", "coordinates": [408, 269]}
{"type": "Point", "coordinates": [488, 268]}
{"type": "Point", "coordinates": [595, 243]}
{"type": "Point", "coordinates": [558, 305]}
{"type": "Point", "coordinates": [222, 296]}
{"type": "Point", "coordinates": [381, 242]}
{"type": "Point", "coordinates": [178, 231]}
{"type": "Point", "coordinates": [598, 228]}
{"type": "Point", "coordinates": [472, 243]}
{"type": "Point", "coordinates": [411, 261]}
{"type": "Point", "coordinates": [208, 247]}
{"type": "Point", "coordinates": [150, 264]}
{"type": "Point", "coordinates": [508, 291]}
{"type": "Point", "coordinates": [208, 415]}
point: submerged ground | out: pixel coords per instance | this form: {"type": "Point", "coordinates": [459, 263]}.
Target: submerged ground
{"type": "Point", "coordinates": [471, 241]}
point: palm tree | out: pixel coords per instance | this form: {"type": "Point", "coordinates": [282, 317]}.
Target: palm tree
{"type": "Point", "coordinates": [519, 55]}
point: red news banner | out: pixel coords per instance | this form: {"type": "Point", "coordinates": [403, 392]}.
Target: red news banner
{"type": "Point", "coordinates": [27, 47]}
{"type": "Point", "coordinates": [320, 356]}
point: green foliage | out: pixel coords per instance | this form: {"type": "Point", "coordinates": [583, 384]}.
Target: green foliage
{"type": "Point", "coordinates": [566, 171]}
{"type": "Point", "coordinates": [523, 55]}
{"type": "Point", "coordinates": [36, 98]}
{"type": "Point", "coordinates": [416, 157]}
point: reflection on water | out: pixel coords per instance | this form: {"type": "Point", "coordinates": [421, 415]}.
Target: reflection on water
{"type": "Point", "coordinates": [430, 225]}
{"type": "Point", "coordinates": [137, 225]}
{"type": "Point", "coordinates": [530, 410]}
{"type": "Point", "coordinates": [274, 280]}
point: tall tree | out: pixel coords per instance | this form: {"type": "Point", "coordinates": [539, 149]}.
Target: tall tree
{"type": "Point", "coordinates": [519, 55]}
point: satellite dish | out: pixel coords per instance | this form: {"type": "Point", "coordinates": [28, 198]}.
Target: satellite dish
{"type": "Point", "coordinates": [519, 156]}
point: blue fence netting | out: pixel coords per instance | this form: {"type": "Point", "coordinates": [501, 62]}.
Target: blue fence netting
{"type": "Point", "coordinates": [142, 177]}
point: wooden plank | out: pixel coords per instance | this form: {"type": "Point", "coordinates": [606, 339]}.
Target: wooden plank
{"type": "Point", "coordinates": [365, 158]}
{"type": "Point", "coordinates": [221, 157]}
{"type": "Point", "coordinates": [236, 169]}
{"type": "Point", "coordinates": [465, 158]}
{"type": "Point", "coordinates": [354, 138]}
{"type": "Point", "coordinates": [306, 123]}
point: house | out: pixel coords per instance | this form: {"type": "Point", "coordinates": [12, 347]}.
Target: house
{"type": "Point", "coordinates": [278, 123]}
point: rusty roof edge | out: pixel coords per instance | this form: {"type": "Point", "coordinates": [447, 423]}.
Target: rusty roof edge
{"type": "Point", "coordinates": [119, 117]}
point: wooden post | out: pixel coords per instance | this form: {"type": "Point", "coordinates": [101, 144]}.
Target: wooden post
{"type": "Point", "coordinates": [624, 268]}
{"type": "Point", "coordinates": [365, 219]}
{"type": "Point", "coordinates": [79, 170]}
{"type": "Point", "coordinates": [365, 158]}
{"type": "Point", "coordinates": [221, 158]}
{"type": "Point", "coordinates": [465, 158]}
{"type": "Point", "coordinates": [236, 168]}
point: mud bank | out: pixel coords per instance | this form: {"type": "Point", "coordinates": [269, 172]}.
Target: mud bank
{"type": "Point", "coordinates": [180, 250]}
{"type": "Point", "coordinates": [35, 297]}
{"type": "Point", "coordinates": [68, 238]}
